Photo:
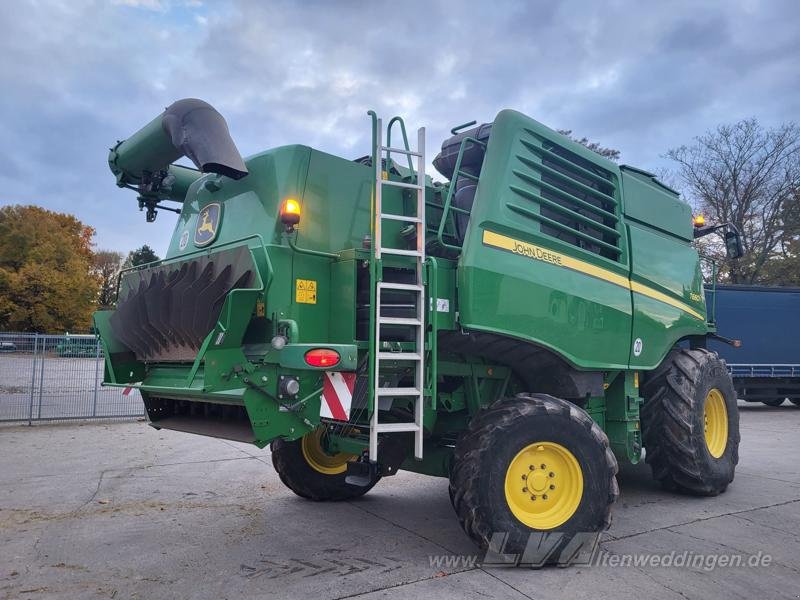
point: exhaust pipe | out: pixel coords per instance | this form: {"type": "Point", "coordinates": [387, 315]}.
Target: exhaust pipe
{"type": "Point", "coordinates": [188, 127]}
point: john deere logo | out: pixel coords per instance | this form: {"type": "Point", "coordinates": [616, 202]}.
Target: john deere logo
{"type": "Point", "coordinates": [207, 224]}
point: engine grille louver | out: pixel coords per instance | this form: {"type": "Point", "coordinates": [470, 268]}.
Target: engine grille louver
{"type": "Point", "coordinates": [572, 199]}
{"type": "Point", "coordinates": [165, 312]}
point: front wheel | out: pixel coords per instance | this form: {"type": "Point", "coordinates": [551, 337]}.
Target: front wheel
{"type": "Point", "coordinates": [690, 423]}
{"type": "Point", "coordinates": [533, 469]}
{"type": "Point", "coordinates": [310, 471]}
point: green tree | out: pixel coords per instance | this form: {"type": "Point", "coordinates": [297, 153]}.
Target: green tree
{"type": "Point", "coordinates": [106, 267]}
{"type": "Point", "coordinates": [141, 256]}
{"type": "Point", "coordinates": [46, 279]}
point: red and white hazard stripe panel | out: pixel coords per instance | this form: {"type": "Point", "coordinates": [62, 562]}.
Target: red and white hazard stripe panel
{"type": "Point", "coordinates": [337, 395]}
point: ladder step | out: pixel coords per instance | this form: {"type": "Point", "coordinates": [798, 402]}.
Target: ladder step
{"type": "Point", "coordinates": [402, 184]}
{"type": "Point", "coordinates": [399, 356]}
{"type": "Point", "coordinates": [401, 252]}
{"type": "Point", "coordinates": [401, 151]}
{"type": "Point", "coordinates": [395, 427]}
{"type": "Point", "coordinates": [399, 321]}
{"type": "Point", "coordinates": [400, 218]}
{"type": "Point", "coordinates": [401, 391]}
{"type": "Point", "coordinates": [411, 287]}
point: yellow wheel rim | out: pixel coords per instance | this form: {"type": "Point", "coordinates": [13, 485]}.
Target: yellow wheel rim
{"type": "Point", "coordinates": [715, 423]}
{"type": "Point", "coordinates": [318, 459]}
{"type": "Point", "coordinates": [544, 485]}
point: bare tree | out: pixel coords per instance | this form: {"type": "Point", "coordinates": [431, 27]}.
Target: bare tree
{"type": "Point", "coordinates": [609, 153]}
{"type": "Point", "coordinates": [747, 175]}
{"type": "Point", "coordinates": [785, 269]}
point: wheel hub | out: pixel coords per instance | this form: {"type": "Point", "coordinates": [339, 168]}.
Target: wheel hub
{"type": "Point", "coordinates": [320, 460]}
{"type": "Point", "coordinates": [544, 485]}
{"type": "Point", "coordinates": [715, 423]}
{"type": "Point", "coordinates": [538, 482]}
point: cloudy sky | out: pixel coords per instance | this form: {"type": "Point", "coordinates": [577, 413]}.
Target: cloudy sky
{"type": "Point", "coordinates": [638, 76]}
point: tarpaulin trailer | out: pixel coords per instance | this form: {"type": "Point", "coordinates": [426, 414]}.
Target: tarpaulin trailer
{"type": "Point", "coordinates": [766, 367]}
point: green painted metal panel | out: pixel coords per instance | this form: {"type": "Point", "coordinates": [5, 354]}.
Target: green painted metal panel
{"type": "Point", "coordinates": [668, 296]}
{"type": "Point", "coordinates": [335, 204]}
{"type": "Point", "coordinates": [342, 309]}
{"type": "Point", "coordinates": [120, 365]}
{"type": "Point", "coordinates": [651, 202]}
{"type": "Point", "coordinates": [250, 205]}
{"type": "Point", "coordinates": [525, 290]}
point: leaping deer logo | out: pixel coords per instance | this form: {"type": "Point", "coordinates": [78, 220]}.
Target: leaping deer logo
{"type": "Point", "coordinates": [207, 225]}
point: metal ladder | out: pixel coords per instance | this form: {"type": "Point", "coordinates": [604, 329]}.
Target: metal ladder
{"type": "Point", "coordinates": [379, 354]}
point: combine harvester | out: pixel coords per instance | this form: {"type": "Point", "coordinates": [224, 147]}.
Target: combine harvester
{"type": "Point", "coordinates": [518, 330]}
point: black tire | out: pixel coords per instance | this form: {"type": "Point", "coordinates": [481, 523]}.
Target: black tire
{"type": "Point", "coordinates": [303, 479]}
{"type": "Point", "coordinates": [773, 401]}
{"type": "Point", "coordinates": [673, 423]}
{"type": "Point", "coordinates": [493, 440]}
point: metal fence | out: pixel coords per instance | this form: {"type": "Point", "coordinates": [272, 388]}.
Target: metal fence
{"type": "Point", "coordinates": [58, 377]}
{"type": "Point", "coordinates": [764, 370]}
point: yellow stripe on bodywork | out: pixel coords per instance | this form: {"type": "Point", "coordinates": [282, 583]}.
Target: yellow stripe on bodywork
{"type": "Point", "coordinates": [661, 297]}
{"type": "Point", "coordinates": [534, 252]}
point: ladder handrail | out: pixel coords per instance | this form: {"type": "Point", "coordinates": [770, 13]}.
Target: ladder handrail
{"type": "Point", "coordinates": [374, 271]}
{"type": "Point", "coordinates": [405, 142]}
{"type": "Point", "coordinates": [433, 309]}
{"type": "Point", "coordinates": [451, 192]}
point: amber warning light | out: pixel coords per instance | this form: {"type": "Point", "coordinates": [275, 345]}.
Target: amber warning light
{"type": "Point", "coordinates": [699, 221]}
{"type": "Point", "coordinates": [290, 213]}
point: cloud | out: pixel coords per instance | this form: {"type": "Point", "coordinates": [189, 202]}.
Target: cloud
{"type": "Point", "coordinates": [156, 5]}
{"type": "Point", "coordinates": [641, 78]}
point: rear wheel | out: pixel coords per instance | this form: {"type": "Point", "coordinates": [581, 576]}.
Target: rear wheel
{"type": "Point", "coordinates": [690, 423]}
{"type": "Point", "coordinates": [533, 469]}
{"type": "Point", "coordinates": [310, 471]}
{"type": "Point", "coordinates": [773, 401]}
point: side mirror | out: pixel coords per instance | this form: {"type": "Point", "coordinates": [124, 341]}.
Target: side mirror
{"type": "Point", "coordinates": [733, 244]}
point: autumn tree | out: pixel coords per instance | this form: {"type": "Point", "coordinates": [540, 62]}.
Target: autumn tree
{"type": "Point", "coordinates": [746, 175]}
{"type": "Point", "coordinates": [106, 267]}
{"type": "Point", "coordinates": [46, 279]}
{"type": "Point", "coordinates": [140, 256]}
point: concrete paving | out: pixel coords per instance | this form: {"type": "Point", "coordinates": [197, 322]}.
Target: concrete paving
{"type": "Point", "coordinates": [123, 511]}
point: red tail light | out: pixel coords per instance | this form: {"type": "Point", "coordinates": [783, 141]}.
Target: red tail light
{"type": "Point", "coordinates": [322, 357]}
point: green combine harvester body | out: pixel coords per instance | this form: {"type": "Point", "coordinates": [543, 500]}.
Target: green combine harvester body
{"type": "Point", "coordinates": [291, 279]}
